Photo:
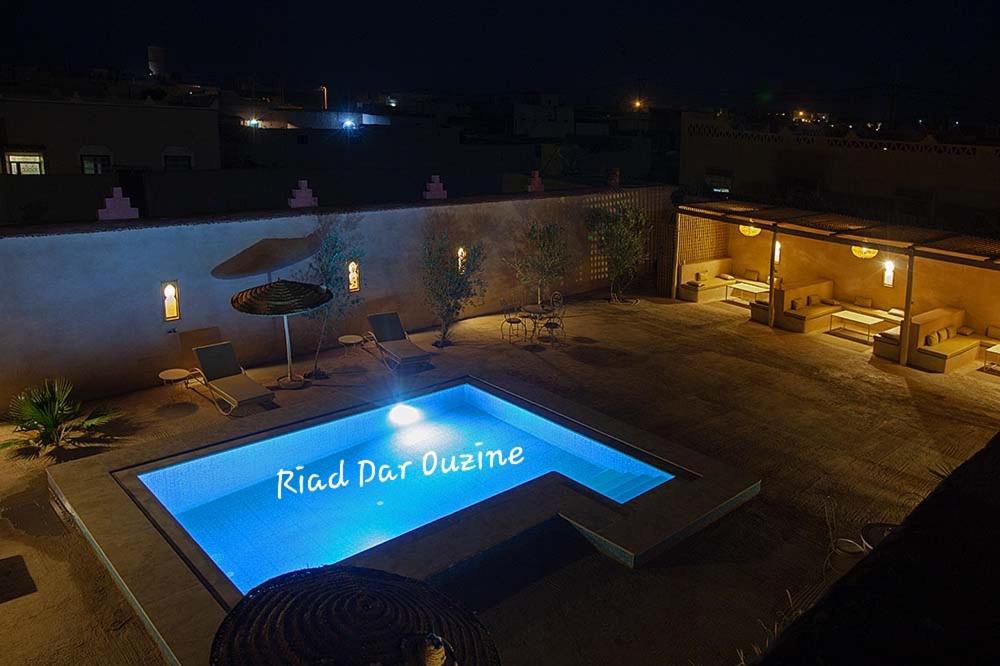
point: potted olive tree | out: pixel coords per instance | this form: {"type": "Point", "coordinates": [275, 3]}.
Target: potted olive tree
{"type": "Point", "coordinates": [331, 266]}
{"type": "Point", "coordinates": [621, 235]}
{"type": "Point", "coordinates": [452, 277]}
{"type": "Point", "coordinates": [541, 256]}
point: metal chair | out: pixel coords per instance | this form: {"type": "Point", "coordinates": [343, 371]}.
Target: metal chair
{"type": "Point", "coordinates": [554, 325]}
{"type": "Point", "coordinates": [512, 321]}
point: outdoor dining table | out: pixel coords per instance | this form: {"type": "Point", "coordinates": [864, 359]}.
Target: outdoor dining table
{"type": "Point", "coordinates": [536, 312]}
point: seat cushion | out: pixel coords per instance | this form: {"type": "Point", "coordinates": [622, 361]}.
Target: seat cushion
{"type": "Point", "coordinates": [404, 351]}
{"type": "Point", "coordinates": [240, 389]}
{"type": "Point", "coordinates": [950, 347]}
{"type": "Point", "coordinates": [812, 311]}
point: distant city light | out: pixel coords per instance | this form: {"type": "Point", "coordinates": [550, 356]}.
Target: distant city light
{"type": "Point", "coordinates": [348, 124]}
{"type": "Point", "coordinates": [253, 122]}
{"type": "Point", "coordinates": [637, 103]}
{"type": "Point", "coordinates": [392, 102]}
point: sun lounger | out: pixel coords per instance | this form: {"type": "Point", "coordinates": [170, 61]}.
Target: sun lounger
{"type": "Point", "coordinates": [225, 378]}
{"type": "Point", "coordinates": [393, 344]}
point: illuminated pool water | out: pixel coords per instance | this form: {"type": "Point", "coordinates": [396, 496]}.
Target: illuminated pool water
{"type": "Point", "coordinates": [376, 475]}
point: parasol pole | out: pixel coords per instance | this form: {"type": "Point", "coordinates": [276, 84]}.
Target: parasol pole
{"type": "Point", "coordinates": [288, 349]}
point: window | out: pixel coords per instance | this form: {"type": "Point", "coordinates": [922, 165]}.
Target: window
{"type": "Point", "coordinates": [95, 165]}
{"type": "Point", "coordinates": [888, 274]}
{"type": "Point", "coordinates": [176, 162]}
{"type": "Point", "coordinates": [777, 251]}
{"type": "Point", "coordinates": [353, 277]}
{"type": "Point", "coordinates": [25, 164]}
{"type": "Point", "coordinates": [462, 254]}
{"type": "Point", "coordinates": [170, 290]}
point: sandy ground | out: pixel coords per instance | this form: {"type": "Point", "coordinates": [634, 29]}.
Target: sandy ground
{"type": "Point", "coordinates": [838, 438]}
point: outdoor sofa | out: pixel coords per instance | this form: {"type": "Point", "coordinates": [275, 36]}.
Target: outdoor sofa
{"type": "Point", "coordinates": [705, 281]}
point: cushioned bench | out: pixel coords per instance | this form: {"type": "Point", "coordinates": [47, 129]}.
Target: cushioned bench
{"type": "Point", "coordinates": [935, 344]}
{"type": "Point", "coordinates": [702, 281]}
{"type": "Point", "coordinates": [886, 344]}
{"type": "Point", "coordinates": [799, 308]}
{"type": "Point", "coordinates": [946, 355]}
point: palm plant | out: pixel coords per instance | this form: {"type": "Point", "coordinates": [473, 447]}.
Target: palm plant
{"type": "Point", "coordinates": [54, 421]}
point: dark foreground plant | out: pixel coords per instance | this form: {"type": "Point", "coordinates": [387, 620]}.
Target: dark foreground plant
{"type": "Point", "coordinates": [52, 421]}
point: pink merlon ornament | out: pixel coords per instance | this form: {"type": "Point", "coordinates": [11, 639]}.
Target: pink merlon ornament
{"type": "Point", "coordinates": [535, 184]}
{"type": "Point", "coordinates": [435, 189]}
{"type": "Point", "coordinates": [615, 179]}
{"type": "Point", "coordinates": [117, 207]}
{"type": "Point", "coordinates": [302, 196]}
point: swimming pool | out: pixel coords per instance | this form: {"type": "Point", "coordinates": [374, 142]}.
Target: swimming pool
{"type": "Point", "coordinates": [321, 494]}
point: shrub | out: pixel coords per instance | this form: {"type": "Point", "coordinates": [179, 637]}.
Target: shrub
{"type": "Point", "coordinates": [621, 235]}
{"type": "Point", "coordinates": [542, 256]}
{"type": "Point", "coordinates": [448, 286]}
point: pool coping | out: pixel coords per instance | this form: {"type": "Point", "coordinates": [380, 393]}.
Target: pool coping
{"type": "Point", "coordinates": [182, 596]}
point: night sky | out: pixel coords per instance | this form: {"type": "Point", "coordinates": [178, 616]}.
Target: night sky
{"type": "Point", "coordinates": [707, 52]}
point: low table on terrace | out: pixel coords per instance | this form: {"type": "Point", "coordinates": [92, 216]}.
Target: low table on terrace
{"type": "Point", "coordinates": [857, 318]}
{"type": "Point", "coordinates": [754, 290]}
{"type": "Point", "coordinates": [995, 350]}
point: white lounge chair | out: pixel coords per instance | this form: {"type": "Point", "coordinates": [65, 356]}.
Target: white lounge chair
{"type": "Point", "coordinates": [393, 344]}
{"type": "Point", "coordinates": [225, 378]}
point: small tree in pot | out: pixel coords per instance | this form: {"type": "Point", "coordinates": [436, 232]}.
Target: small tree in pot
{"type": "Point", "coordinates": [542, 256]}
{"type": "Point", "coordinates": [329, 266]}
{"type": "Point", "coordinates": [620, 234]}
{"type": "Point", "coordinates": [451, 278]}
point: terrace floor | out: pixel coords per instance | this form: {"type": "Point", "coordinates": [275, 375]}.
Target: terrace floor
{"type": "Point", "coordinates": [838, 439]}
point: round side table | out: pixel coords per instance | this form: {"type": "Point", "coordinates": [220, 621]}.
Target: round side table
{"type": "Point", "coordinates": [351, 341]}
{"type": "Point", "coordinates": [173, 376]}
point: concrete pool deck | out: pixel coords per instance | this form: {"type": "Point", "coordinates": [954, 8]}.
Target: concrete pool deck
{"type": "Point", "coordinates": [815, 417]}
{"type": "Point", "coordinates": [183, 609]}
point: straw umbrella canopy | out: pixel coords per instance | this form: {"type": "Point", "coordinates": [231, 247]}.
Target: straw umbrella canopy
{"type": "Point", "coordinates": [350, 616]}
{"type": "Point", "coordinates": [282, 298]}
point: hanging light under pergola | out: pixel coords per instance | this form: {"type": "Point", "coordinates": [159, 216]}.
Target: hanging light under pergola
{"type": "Point", "coordinates": [282, 298]}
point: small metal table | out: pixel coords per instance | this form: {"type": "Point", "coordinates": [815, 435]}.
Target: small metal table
{"type": "Point", "coordinates": [535, 312]}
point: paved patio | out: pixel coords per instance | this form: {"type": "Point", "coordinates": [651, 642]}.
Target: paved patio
{"type": "Point", "coordinates": [828, 429]}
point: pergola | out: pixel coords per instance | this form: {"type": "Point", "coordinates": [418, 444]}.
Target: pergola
{"type": "Point", "coordinates": [911, 241]}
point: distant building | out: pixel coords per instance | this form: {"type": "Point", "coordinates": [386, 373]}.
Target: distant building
{"type": "Point", "coordinates": [61, 137]}
{"type": "Point", "coordinates": [922, 181]}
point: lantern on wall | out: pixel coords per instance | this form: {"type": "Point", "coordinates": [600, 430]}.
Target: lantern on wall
{"type": "Point", "coordinates": [888, 273]}
{"type": "Point", "coordinates": [749, 230]}
{"type": "Point", "coordinates": [862, 252]}
{"type": "Point", "coordinates": [462, 254]}
{"type": "Point", "coordinates": [170, 292]}
{"type": "Point", "coordinates": [353, 277]}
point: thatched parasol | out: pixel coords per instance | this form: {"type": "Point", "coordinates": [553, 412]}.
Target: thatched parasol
{"type": "Point", "coordinates": [282, 298]}
{"type": "Point", "coordinates": [350, 616]}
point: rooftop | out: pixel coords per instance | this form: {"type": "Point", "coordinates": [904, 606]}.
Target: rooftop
{"type": "Point", "coordinates": [834, 433]}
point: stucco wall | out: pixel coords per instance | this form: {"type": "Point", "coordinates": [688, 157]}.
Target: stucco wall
{"type": "Point", "coordinates": [86, 305]}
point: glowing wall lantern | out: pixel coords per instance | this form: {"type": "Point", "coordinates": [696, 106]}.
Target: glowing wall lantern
{"type": "Point", "coordinates": [777, 251]}
{"type": "Point", "coordinates": [170, 291]}
{"type": "Point", "coordinates": [862, 252]}
{"type": "Point", "coordinates": [353, 277]}
{"type": "Point", "coordinates": [462, 254]}
{"type": "Point", "coordinates": [749, 230]}
{"type": "Point", "coordinates": [888, 274]}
